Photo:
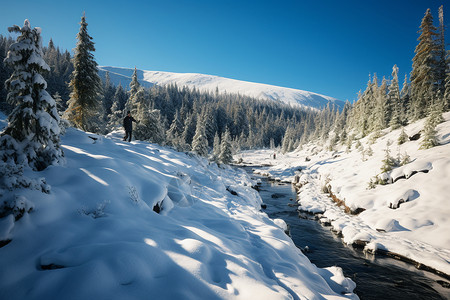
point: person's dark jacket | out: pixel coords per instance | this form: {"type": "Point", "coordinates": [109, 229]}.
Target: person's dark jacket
{"type": "Point", "coordinates": [128, 123]}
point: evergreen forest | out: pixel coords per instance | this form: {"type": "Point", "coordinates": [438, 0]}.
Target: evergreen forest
{"type": "Point", "coordinates": [191, 120]}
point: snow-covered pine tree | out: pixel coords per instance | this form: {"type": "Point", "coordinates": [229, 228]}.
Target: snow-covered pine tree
{"type": "Point", "coordinates": [429, 133]}
{"type": "Point", "coordinates": [394, 100]}
{"type": "Point", "coordinates": [423, 74]}
{"type": "Point", "coordinates": [32, 134]}
{"type": "Point", "coordinates": [173, 134]}
{"type": "Point", "coordinates": [441, 67]}
{"type": "Point", "coordinates": [150, 126]}
{"type": "Point", "coordinates": [388, 162]}
{"type": "Point", "coordinates": [108, 95]}
{"type": "Point", "coordinates": [405, 100]}
{"type": "Point", "coordinates": [216, 147]}
{"type": "Point", "coordinates": [226, 155]}
{"type": "Point", "coordinates": [85, 84]}
{"type": "Point", "coordinates": [286, 145]}
{"type": "Point", "coordinates": [446, 99]}
{"type": "Point", "coordinates": [190, 124]}
{"type": "Point", "coordinates": [377, 117]}
{"type": "Point", "coordinates": [200, 142]}
{"type": "Point", "coordinates": [59, 103]}
{"type": "Point", "coordinates": [403, 137]}
{"type": "Point", "coordinates": [135, 86]}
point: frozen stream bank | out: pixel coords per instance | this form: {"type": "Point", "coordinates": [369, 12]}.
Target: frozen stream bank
{"type": "Point", "coordinates": [376, 277]}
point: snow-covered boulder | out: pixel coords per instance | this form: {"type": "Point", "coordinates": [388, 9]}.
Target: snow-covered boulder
{"type": "Point", "coordinates": [400, 197]}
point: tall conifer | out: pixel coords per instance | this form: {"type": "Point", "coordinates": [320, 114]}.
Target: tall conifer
{"type": "Point", "coordinates": [32, 135]}
{"type": "Point", "coordinates": [85, 82]}
{"type": "Point", "coordinates": [423, 75]}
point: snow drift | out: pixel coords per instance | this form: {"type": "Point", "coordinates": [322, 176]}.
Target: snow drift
{"type": "Point", "coordinates": [97, 234]}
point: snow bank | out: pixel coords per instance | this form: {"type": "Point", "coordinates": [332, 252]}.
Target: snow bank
{"type": "Point", "coordinates": [97, 235]}
{"type": "Point", "coordinates": [409, 215]}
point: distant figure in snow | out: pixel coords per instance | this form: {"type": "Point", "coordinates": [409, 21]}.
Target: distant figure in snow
{"type": "Point", "coordinates": [274, 155]}
{"type": "Point", "coordinates": [128, 126]}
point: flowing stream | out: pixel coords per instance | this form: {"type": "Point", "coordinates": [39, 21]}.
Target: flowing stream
{"type": "Point", "coordinates": [376, 277]}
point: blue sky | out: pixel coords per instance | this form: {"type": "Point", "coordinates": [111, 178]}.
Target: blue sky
{"type": "Point", "coordinates": [327, 46]}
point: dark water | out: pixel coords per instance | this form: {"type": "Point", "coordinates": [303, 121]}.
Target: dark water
{"type": "Point", "coordinates": [376, 277]}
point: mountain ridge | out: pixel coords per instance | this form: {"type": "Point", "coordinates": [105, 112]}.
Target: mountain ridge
{"type": "Point", "coordinates": [211, 83]}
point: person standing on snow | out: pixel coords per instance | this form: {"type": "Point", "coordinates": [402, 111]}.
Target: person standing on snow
{"type": "Point", "coordinates": [128, 126]}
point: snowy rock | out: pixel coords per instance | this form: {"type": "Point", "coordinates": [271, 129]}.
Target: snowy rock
{"type": "Point", "coordinates": [388, 225]}
{"type": "Point", "coordinates": [337, 281]}
{"type": "Point", "coordinates": [399, 197]}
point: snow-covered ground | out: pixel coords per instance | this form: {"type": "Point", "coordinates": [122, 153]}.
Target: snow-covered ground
{"type": "Point", "coordinates": [210, 83]}
{"type": "Point", "coordinates": [410, 216]}
{"type": "Point", "coordinates": [97, 236]}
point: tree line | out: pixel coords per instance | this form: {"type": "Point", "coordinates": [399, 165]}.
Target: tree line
{"type": "Point", "coordinates": [190, 120]}
{"type": "Point", "coordinates": [383, 104]}
{"type": "Point", "coordinates": [169, 115]}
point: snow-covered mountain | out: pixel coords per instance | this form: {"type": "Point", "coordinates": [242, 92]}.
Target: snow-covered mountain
{"type": "Point", "coordinates": [212, 83]}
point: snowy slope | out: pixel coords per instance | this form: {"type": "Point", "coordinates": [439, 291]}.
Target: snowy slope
{"type": "Point", "coordinates": [210, 83]}
{"type": "Point", "coordinates": [97, 236]}
{"type": "Point", "coordinates": [410, 216]}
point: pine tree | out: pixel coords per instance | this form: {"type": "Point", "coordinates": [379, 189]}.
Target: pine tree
{"type": "Point", "coordinates": [32, 135]}
{"type": "Point", "coordinates": [441, 67]}
{"type": "Point", "coordinates": [216, 147]}
{"type": "Point", "coordinates": [108, 94]}
{"type": "Point", "coordinates": [59, 103]}
{"type": "Point", "coordinates": [388, 162]}
{"type": "Point", "coordinates": [403, 137]}
{"type": "Point", "coordinates": [423, 75]}
{"type": "Point", "coordinates": [226, 155]}
{"type": "Point", "coordinates": [150, 124]}
{"type": "Point", "coordinates": [135, 86]}
{"type": "Point", "coordinates": [190, 124]}
{"type": "Point", "coordinates": [446, 99]}
{"type": "Point", "coordinates": [200, 142]}
{"type": "Point", "coordinates": [394, 100]}
{"type": "Point", "coordinates": [429, 133]}
{"type": "Point", "coordinates": [405, 100]}
{"type": "Point", "coordinates": [287, 145]}
{"type": "Point", "coordinates": [85, 82]}
{"type": "Point", "coordinates": [175, 130]}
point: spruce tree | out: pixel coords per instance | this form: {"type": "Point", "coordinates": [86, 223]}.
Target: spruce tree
{"type": "Point", "coordinates": [135, 86]}
{"type": "Point", "coordinates": [190, 124]}
{"type": "Point", "coordinates": [173, 135]}
{"type": "Point", "coordinates": [446, 99]}
{"type": "Point", "coordinates": [403, 137]}
{"type": "Point", "coordinates": [216, 147]}
{"type": "Point", "coordinates": [394, 100]}
{"type": "Point", "coordinates": [85, 82]}
{"type": "Point", "coordinates": [429, 133]}
{"type": "Point", "coordinates": [32, 134]}
{"type": "Point", "coordinates": [226, 155]}
{"type": "Point", "coordinates": [287, 143]}
{"type": "Point", "coordinates": [423, 74]}
{"type": "Point", "coordinates": [388, 162]}
{"type": "Point", "coordinates": [150, 124]}
{"type": "Point", "coordinates": [405, 101]}
{"type": "Point", "coordinates": [108, 94]}
{"type": "Point", "coordinates": [200, 142]}
{"type": "Point", "coordinates": [441, 67]}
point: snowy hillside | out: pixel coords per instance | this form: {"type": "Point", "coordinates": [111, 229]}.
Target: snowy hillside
{"type": "Point", "coordinates": [211, 83]}
{"type": "Point", "coordinates": [409, 216]}
{"type": "Point", "coordinates": [97, 235]}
